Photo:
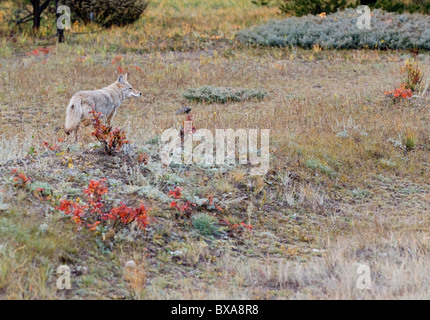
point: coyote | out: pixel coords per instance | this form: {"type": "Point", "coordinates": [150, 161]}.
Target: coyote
{"type": "Point", "coordinates": [106, 101]}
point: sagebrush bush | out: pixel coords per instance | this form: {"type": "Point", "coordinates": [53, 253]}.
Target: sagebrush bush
{"type": "Point", "coordinates": [339, 31]}
{"type": "Point", "coordinates": [223, 94]}
{"type": "Point", "coordinates": [303, 7]}
{"type": "Point", "coordinates": [108, 12]}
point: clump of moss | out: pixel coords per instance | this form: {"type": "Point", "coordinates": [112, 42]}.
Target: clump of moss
{"type": "Point", "coordinates": [223, 94]}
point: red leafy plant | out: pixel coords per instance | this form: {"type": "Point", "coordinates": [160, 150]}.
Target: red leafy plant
{"type": "Point", "coordinates": [400, 92]}
{"type": "Point", "coordinates": [186, 207]}
{"type": "Point", "coordinates": [182, 207]}
{"type": "Point", "coordinates": [19, 178]}
{"type": "Point", "coordinates": [90, 212]}
{"type": "Point", "coordinates": [37, 51]}
{"type": "Point", "coordinates": [237, 228]}
{"type": "Point", "coordinates": [53, 147]}
{"type": "Point", "coordinates": [118, 60]}
{"type": "Point", "coordinates": [413, 81]}
{"type": "Point", "coordinates": [112, 140]}
{"type": "Point", "coordinates": [212, 204]}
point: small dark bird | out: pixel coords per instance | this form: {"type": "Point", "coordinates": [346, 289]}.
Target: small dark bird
{"type": "Point", "coordinates": [184, 110]}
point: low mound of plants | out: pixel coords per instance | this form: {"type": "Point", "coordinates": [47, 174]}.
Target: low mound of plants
{"type": "Point", "coordinates": [303, 7]}
{"type": "Point", "coordinates": [339, 31]}
{"type": "Point", "coordinates": [223, 94]}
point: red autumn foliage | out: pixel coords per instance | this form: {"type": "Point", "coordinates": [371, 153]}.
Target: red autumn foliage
{"type": "Point", "coordinates": [237, 228]}
{"type": "Point", "coordinates": [36, 52]}
{"type": "Point", "coordinates": [54, 147]}
{"type": "Point", "coordinates": [91, 211]}
{"type": "Point", "coordinates": [126, 215]}
{"type": "Point", "coordinates": [186, 207]}
{"type": "Point", "coordinates": [400, 92]}
{"type": "Point", "coordinates": [183, 207]}
{"type": "Point", "coordinates": [175, 193]}
{"type": "Point", "coordinates": [75, 209]}
{"type": "Point", "coordinates": [116, 59]}
{"type": "Point", "coordinates": [94, 192]}
{"type": "Point", "coordinates": [112, 140]}
{"type": "Point", "coordinates": [20, 179]}
{"type": "Point", "coordinates": [211, 203]}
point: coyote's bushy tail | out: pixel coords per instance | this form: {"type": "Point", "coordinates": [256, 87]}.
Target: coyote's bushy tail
{"type": "Point", "coordinates": [73, 115]}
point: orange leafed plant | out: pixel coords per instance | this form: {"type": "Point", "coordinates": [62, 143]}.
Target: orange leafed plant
{"type": "Point", "coordinates": [91, 213]}
{"type": "Point", "coordinates": [181, 206]}
{"type": "Point", "coordinates": [19, 178]}
{"type": "Point", "coordinates": [126, 215]}
{"type": "Point", "coordinates": [237, 228]}
{"type": "Point", "coordinates": [112, 140]}
{"type": "Point", "coordinates": [400, 92]}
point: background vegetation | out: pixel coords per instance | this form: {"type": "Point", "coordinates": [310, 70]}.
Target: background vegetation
{"type": "Point", "coordinates": [339, 31]}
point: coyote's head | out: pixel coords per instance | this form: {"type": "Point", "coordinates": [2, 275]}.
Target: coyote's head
{"type": "Point", "coordinates": [126, 88]}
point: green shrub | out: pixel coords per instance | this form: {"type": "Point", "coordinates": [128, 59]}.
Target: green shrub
{"type": "Point", "coordinates": [261, 3]}
{"type": "Point", "coordinates": [108, 12]}
{"type": "Point", "coordinates": [400, 6]}
{"type": "Point", "coordinates": [339, 31]}
{"type": "Point", "coordinates": [205, 224]}
{"type": "Point", "coordinates": [303, 7]}
{"type": "Point", "coordinates": [223, 94]}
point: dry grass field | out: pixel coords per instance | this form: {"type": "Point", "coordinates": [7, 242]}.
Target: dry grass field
{"type": "Point", "coordinates": [348, 184]}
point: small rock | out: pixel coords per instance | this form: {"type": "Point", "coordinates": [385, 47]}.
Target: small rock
{"type": "Point", "coordinates": [130, 264]}
{"type": "Point", "coordinates": [176, 253]}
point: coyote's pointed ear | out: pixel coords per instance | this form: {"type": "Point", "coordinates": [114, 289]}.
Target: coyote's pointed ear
{"type": "Point", "coordinates": [126, 76]}
{"type": "Point", "coordinates": [121, 79]}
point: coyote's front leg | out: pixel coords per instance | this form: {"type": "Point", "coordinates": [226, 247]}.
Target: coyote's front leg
{"type": "Point", "coordinates": [109, 119]}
